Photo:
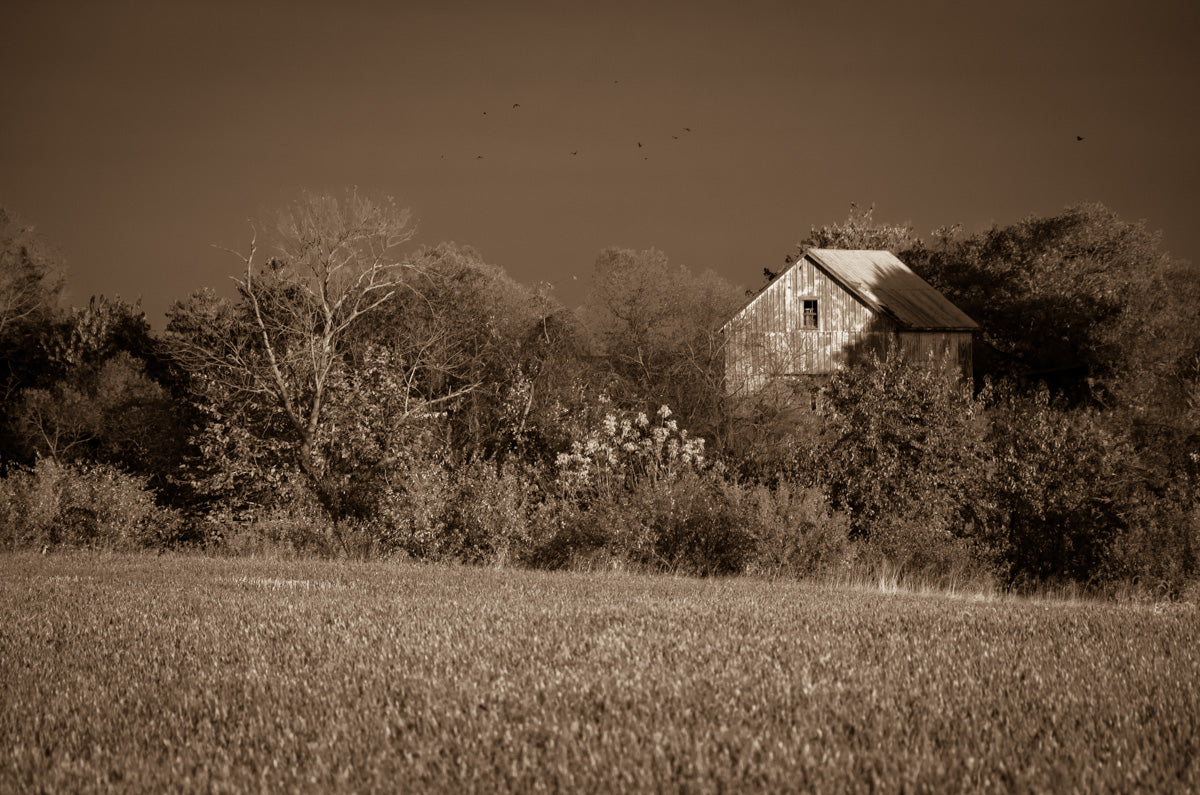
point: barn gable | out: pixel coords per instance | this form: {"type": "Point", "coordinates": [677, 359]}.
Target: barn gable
{"type": "Point", "coordinates": [832, 304]}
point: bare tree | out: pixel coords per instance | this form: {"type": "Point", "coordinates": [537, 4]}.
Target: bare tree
{"type": "Point", "coordinates": [338, 259]}
{"type": "Point", "coordinates": [29, 280]}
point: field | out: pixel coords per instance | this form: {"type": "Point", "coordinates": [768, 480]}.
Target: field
{"type": "Point", "coordinates": [201, 674]}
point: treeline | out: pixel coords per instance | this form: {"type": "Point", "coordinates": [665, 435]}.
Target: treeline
{"type": "Point", "coordinates": [357, 397]}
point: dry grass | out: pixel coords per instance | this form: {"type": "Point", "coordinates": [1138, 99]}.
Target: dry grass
{"type": "Point", "coordinates": [199, 674]}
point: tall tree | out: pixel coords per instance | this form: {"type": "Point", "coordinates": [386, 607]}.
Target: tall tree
{"type": "Point", "coordinates": [903, 452]}
{"type": "Point", "coordinates": [31, 279]}
{"type": "Point", "coordinates": [456, 330]}
{"type": "Point", "coordinates": [273, 360]}
{"type": "Point", "coordinates": [31, 282]}
{"type": "Point", "coordinates": [1084, 299]}
{"type": "Point", "coordinates": [658, 327]}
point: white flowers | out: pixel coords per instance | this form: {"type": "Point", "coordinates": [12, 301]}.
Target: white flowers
{"type": "Point", "coordinates": [628, 445]}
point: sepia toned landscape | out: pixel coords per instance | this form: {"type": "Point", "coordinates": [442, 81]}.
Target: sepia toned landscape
{"type": "Point", "coordinates": [527, 397]}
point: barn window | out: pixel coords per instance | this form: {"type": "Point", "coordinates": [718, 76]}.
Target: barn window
{"type": "Point", "coordinates": [809, 316]}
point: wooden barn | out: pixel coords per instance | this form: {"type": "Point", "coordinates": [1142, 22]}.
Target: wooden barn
{"type": "Point", "coordinates": [832, 305]}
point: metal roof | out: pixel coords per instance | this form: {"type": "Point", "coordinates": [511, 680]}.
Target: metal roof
{"type": "Point", "coordinates": [887, 286]}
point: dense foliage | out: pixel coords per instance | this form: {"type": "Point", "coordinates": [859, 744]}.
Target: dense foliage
{"type": "Point", "coordinates": [356, 398]}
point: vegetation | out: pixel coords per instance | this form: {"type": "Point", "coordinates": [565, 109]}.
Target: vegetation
{"type": "Point", "coordinates": [359, 399]}
{"type": "Point", "coordinates": [210, 674]}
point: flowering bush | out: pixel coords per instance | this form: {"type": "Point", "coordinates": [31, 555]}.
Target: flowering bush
{"type": "Point", "coordinates": [628, 448]}
{"type": "Point", "coordinates": [636, 490]}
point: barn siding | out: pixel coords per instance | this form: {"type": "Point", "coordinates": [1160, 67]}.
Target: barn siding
{"type": "Point", "coordinates": [766, 339]}
{"type": "Point", "coordinates": [951, 346]}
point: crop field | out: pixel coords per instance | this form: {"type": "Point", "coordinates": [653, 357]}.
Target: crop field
{"type": "Point", "coordinates": [203, 674]}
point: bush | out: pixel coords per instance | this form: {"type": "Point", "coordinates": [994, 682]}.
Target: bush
{"type": "Point", "coordinates": [698, 523]}
{"type": "Point", "coordinates": [291, 523]}
{"type": "Point", "coordinates": [639, 491]}
{"type": "Point", "coordinates": [1062, 476]}
{"type": "Point", "coordinates": [690, 522]}
{"type": "Point", "coordinates": [1158, 553]}
{"type": "Point", "coordinates": [489, 517]}
{"type": "Point", "coordinates": [79, 505]}
{"type": "Point", "coordinates": [902, 438]}
{"type": "Point", "coordinates": [796, 533]}
{"type": "Point", "coordinates": [912, 547]}
{"type": "Point", "coordinates": [413, 506]}
{"type": "Point", "coordinates": [476, 512]}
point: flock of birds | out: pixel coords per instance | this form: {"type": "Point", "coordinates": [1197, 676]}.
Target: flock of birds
{"type": "Point", "coordinates": [674, 137]}
{"type": "Point", "coordinates": [575, 152]}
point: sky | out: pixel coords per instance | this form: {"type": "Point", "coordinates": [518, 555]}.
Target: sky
{"type": "Point", "coordinates": [142, 138]}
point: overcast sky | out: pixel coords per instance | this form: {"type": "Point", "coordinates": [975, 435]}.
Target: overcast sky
{"type": "Point", "coordinates": [136, 135]}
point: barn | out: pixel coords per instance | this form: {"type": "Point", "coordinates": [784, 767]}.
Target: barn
{"type": "Point", "coordinates": [832, 305]}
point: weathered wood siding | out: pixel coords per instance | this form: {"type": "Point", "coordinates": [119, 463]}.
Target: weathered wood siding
{"type": "Point", "coordinates": [767, 339]}
{"type": "Point", "coordinates": [953, 347]}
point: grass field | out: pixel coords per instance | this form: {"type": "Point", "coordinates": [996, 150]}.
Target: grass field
{"type": "Point", "coordinates": [199, 674]}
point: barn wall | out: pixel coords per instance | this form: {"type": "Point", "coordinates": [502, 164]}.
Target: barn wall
{"type": "Point", "coordinates": [767, 340]}
{"type": "Point", "coordinates": [954, 347]}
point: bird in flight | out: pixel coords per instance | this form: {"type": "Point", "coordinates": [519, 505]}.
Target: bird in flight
{"type": "Point", "coordinates": [1078, 138]}
{"type": "Point", "coordinates": [639, 144]}
{"type": "Point", "coordinates": [687, 129]}
{"type": "Point", "coordinates": [575, 152]}
{"type": "Point", "coordinates": [516, 105]}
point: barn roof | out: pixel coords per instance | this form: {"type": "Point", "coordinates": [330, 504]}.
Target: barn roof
{"type": "Point", "coordinates": [887, 286]}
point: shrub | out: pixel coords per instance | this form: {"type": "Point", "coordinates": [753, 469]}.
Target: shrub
{"type": "Point", "coordinates": [81, 505]}
{"type": "Point", "coordinates": [901, 437]}
{"type": "Point", "coordinates": [697, 522]}
{"type": "Point", "coordinates": [912, 547]}
{"type": "Point", "coordinates": [638, 491]}
{"type": "Point", "coordinates": [476, 512]}
{"type": "Point", "coordinates": [413, 505]}
{"type": "Point", "coordinates": [291, 521]}
{"type": "Point", "coordinates": [567, 536]}
{"type": "Point", "coordinates": [489, 516]}
{"type": "Point", "coordinates": [904, 455]}
{"type": "Point", "coordinates": [1061, 478]}
{"type": "Point", "coordinates": [1158, 553]}
{"type": "Point", "coordinates": [624, 449]}
{"type": "Point", "coordinates": [795, 531]}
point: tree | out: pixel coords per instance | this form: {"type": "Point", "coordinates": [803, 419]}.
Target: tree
{"type": "Point", "coordinates": [1084, 300]}
{"type": "Point", "coordinates": [658, 328]}
{"type": "Point", "coordinates": [456, 332]}
{"type": "Point", "coordinates": [112, 413]}
{"type": "Point", "coordinates": [267, 366]}
{"type": "Point", "coordinates": [100, 395]}
{"type": "Point", "coordinates": [861, 231]}
{"type": "Point", "coordinates": [903, 452]}
{"type": "Point", "coordinates": [30, 279]}
{"type": "Point", "coordinates": [31, 284]}
{"type": "Point", "coordinates": [1063, 486]}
